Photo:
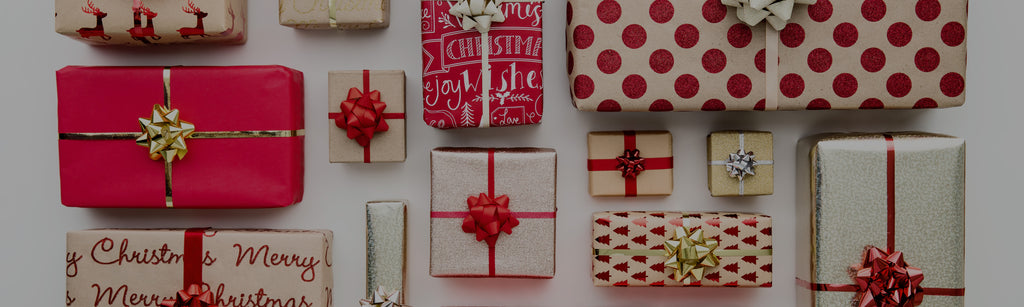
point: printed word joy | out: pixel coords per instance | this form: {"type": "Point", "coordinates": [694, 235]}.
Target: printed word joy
{"type": "Point", "coordinates": [269, 259]}
{"type": "Point", "coordinates": [103, 253]}
{"type": "Point", "coordinates": [509, 79]}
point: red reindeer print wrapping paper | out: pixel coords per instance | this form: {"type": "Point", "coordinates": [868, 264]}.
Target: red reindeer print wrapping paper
{"type": "Point", "coordinates": [696, 55]}
{"type": "Point", "coordinates": [152, 22]}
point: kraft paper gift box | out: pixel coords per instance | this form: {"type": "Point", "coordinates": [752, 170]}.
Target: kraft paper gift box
{"type": "Point", "coordinates": [385, 253]}
{"type": "Point", "coordinates": [163, 267]}
{"type": "Point", "coordinates": [492, 212]}
{"type": "Point", "coordinates": [740, 163]}
{"type": "Point", "coordinates": [630, 163]}
{"type": "Point", "coordinates": [680, 249]}
{"type": "Point", "coordinates": [152, 22]}
{"type": "Point", "coordinates": [470, 84]}
{"type": "Point", "coordinates": [211, 137]}
{"type": "Point", "coordinates": [697, 55]}
{"type": "Point", "coordinates": [367, 113]}
{"type": "Point", "coordinates": [880, 208]}
{"type": "Point", "coordinates": [334, 14]}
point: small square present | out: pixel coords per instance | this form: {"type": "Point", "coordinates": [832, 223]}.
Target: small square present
{"type": "Point", "coordinates": [679, 249]}
{"type": "Point", "coordinates": [385, 253]}
{"type": "Point", "coordinates": [740, 163]}
{"type": "Point", "coordinates": [152, 22]}
{"type": "Point", "coordinates": [880, 209]}
{"type": "Point", "coordinates": [492, 212]}
{"type": "Point", "coordinates": [334, 14]}
{"type": "Point", "coordinates": [630, 163]}
{"type": "Point", "coordinates": [367, 112]}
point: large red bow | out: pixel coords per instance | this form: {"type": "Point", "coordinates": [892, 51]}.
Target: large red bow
{"type": "Point", "coordinates": [194, 296]}
{"type": "Point", "coordinates": [488, 218]}
{"type": "Point", "coordinates": [885, 280]}
{"type": "Point", "coordinates": [362, 115]}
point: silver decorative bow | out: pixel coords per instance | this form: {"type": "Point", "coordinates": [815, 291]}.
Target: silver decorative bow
{"type": "Point", "coordinates": [740, 164]}
{"type": "Point", "coordinates": [777, 12]}
{"type": "Point", "coordinates": [381, 299]}
{"type": "Point", "coordinates": [478, 13]}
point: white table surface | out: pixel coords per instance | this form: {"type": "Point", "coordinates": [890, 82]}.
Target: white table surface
{"type": "Point", "coordinates": [33, 223]}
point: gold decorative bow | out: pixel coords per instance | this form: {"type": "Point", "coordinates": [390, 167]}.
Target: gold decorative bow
{"type": "Point", "coordinates": [777, 12]}
{"type": "Point", "coordinates": [689, 253]}
{"type": "Point", "coordinates": [164, 134]}
{"type": "Point", "coordinates": [381, 299]}
{"type": "Point", "coordinates": [478, 13]}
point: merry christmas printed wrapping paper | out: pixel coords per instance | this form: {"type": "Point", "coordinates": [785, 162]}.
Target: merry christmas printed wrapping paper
{"type": "Point", "coordinates": [367, 116]}
{"type": "Point", "coordinates": [334, 14]}
{"type": "Point", "coordinates": [470, 84]}
{"type": "Point", "coordinates": [880, 210]}
{"type": "Point", "coordinates": [673, 249]}
{"type": "Point", "coordinates": [152, 22]}
{"type": "Point", "coordinates": [180, 137]}
{"type": "Point", "coordinates": [696, 55]}
{"type": "Point", "coordinates": [168, 267]}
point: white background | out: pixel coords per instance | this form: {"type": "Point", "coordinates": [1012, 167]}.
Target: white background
{"type": "Point", "coordinates": [33, 222]}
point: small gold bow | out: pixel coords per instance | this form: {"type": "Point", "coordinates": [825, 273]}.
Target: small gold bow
{"type": "Point", "coordinates": [164, 134]}
{"type": "Point", "coordinates": [381, 299]}
{"type": "Point", "coordinates": [689, 253]}
{"type": "Point", "coordinates": [478, 13]}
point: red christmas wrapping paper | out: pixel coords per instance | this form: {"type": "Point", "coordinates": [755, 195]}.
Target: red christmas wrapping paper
{"type": "Point", "coordinates": [246, 150]}
{"type": "Point", "coordinates": [152, 22]}
{"type": "Point", "coordinates": [629, 248]}
{"type": "Point", "coordinates": [147, 267]}
{"type": "Point", "coordinates": [454, 86]}
{"type": "Point", "coordinates": [696, 55]}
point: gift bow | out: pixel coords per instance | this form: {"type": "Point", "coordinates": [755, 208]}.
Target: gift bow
{"type": "Point", "coordinates": [886, 280]}
{"type": "Point", "coordinates": [631, 164]}
{"type": "Point", "coordinates": [381, 299]}
{"type": "Point", "coordinates": [740, 164]}
{"type": "Point", "coordinates": [362, 115]}
{"type": "Point", "coordinates": [777, 12]}
{"type": "Point", "coordinates": [689, 253]}
{"type": "Point", "coordinates": [194, 296]}
{"type": "Point", "coordinates": [478, 13]}
{"type": "Point", "coordinates": [164, 134]}
{"type": "Point", "coordinates": [488, 217]}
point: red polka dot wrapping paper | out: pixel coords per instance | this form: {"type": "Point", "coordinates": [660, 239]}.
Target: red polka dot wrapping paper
{"type": "Point", "coordinates": [452, 63]}
{"type": "Point", "coordinates": [696, 55]}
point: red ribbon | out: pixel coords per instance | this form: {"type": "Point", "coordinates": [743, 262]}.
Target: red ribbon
{"type": "Point", "coordinates": [629, 142]}
{"type": "Point", "coordinates": [192, 296]}
{"type": "Point", "coordinates": [362, 114]}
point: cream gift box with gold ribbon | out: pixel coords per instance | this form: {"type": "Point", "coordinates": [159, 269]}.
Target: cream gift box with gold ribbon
{"type": "Point", "coordinates": [334, 14]}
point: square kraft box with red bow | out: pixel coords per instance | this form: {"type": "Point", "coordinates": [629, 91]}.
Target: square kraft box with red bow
{"type": "Point", "coordinates": [492, 212]}
{"type": "Point", "coordinates": [470, 84]}
{"type": "Point", "coordinates": [878, 210]}
{"type": "Point", "coordinates": [211, 137]}
{"type": "Point", "coordinates": [367, 113]}
{"type": "Point", "coordinates": [679, 249]}
{"type": "Point", "coordinates": [697, 55]}
{"type": "Point", "coordinates": [630, 163]}
{"type": "Point", "coordinates": [152, 22]}
{"type": "Point", "coordinates": [199, 267]}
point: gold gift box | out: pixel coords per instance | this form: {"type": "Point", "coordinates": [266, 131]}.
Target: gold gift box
{"type": "Point", "coordinates": [723, 143]}
{"type": "Point", "coordinates": [386, 146]}
{"type": "Point", "coordinates": [334, 14]}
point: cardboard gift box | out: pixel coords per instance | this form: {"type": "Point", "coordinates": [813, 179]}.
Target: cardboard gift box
{"type": "Point", "coordinates": [164, 267]}
{"type": "Point", "coordinates": [334, 14]}
{"type": "Point", "coordinates": [630, 163]}
{"type": "Point", "coordinates": [697, 55]}
{"type": "Point", "coordinates": [211, 137]}
{"type": "Point", "coordinates": [881, 209]}
{"type": "Point", "coordinates": [367, 112]}
{"type": "Point", "coordinates": [385, 253]}
{"type": "Point", "coordinates": [151, 22]}
{"type": "Point", "coordinates": [492, 212]}
{"type": "Point", "coordinates": [678, 249]}
{"type": "Point", "coordinates": [470, 84]}
{"type": "Point", "coordinates": [740, 163]}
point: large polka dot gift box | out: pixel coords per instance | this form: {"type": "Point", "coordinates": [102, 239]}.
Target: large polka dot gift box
{"type": "Point", "coordinates": [703, 55]}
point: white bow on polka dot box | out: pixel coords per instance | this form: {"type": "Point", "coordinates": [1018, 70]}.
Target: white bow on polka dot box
{"type": "Point", "coordinates": [697, 55]}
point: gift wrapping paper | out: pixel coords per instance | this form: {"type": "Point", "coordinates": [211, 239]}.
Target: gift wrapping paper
{"type": "Point", "coordinates": [899, 192]}
{"type": "Point", "coordinates": [145, 267]}
{"type": "Point", "coordinates": [151, 22]}
{"type": "Point", "coordinates": [525, 179]}
{"type": "Point", "coordinates": [383, 129]}
{"type": "Point", "coordinates": [385, 248]}
{"type": "Point", "coordinates": [696, 55]}
{"type": "Point", "coordinates": [630, 163]}
{"type": "Point", "coordinates": [629, 249]}
{"type": "Point", "coordinates": [466, 87]}
{"type": "Point", "coordinates": [212, 137]}
{"type": "Point", "coordinates": [334, 14]}
{"type": "Point", "coordinates": [723, 143]}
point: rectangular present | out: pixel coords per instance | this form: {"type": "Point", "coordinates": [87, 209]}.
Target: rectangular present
{"type": "Point", "coordinates": [630, 163]}
{"type": "Point", "coordinates": [334, 14]}
{"type": "Point", "coordinates": [682, 249]}
{"type": "Point", "coordinates": [740, 163]}
{"type": "Point", "coordinates": [367, 113]}
{"type": "Point", "coordinates": [385, 251]}
{"type": "Point", "coordinates": [696, 55]}
{"type": "Point", "coordinates": [870, 199]}
{"type": "Point", "coordinates": [211, 137]}
{"type": "Point", "coordinates": [470, 84]}
{"type": "Point", "coordinates": [148, 267]}
{"type": "Point", "coordinates": [492, 212]}
{"type": "Point", "coordinates": [152, 22]}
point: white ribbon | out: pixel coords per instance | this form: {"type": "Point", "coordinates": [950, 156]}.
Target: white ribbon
{"type": "Point", "coordinates": [742, 149]}
{"type": "Point", "coordinates": [480, 14]}
{"type": "Point", "coordinates": [776, 12]}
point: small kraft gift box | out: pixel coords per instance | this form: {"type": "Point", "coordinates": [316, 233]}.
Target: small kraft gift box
{"type": "Point", "coordinates": [682, 249]}
{"type": "Point", "coordinates": [152, 22]}
{"type": "Point", "coordinates": [740, 163]}
{"type": "Point", "coordinates": [883, 220]}
{"type": "Point", "coordinates": [492, 212]}
{"type": "Point", "coordinates": [385, 254]}
{"type": "Point", "coordinates": [334, 14]}
{"type": "Point", "coordinates": [367, 113]}
{"type": "Point", "coordinates": [630, 163]}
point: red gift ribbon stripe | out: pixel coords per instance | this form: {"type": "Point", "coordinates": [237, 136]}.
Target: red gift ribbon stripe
{"type": "Point", "coordinates": [629, 142]}
{"type": "Point", "coordinates": [192, 257]}
{"type": "Point", "coordinates": [518, 215]}
{"type": "Point", "coordinates": [366, 91]}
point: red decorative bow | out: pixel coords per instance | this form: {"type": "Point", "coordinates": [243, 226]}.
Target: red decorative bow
{"type": "Point", "coordinates": [488, 218]}
{"type": "Point", "coordinates": [194, 296]}
{"type": "Point", "coordinates": [885, 280]}
{"type": "Point", "coordinates": [362, 115]}
{"type": "Point", "coordinates": [631, 163]}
